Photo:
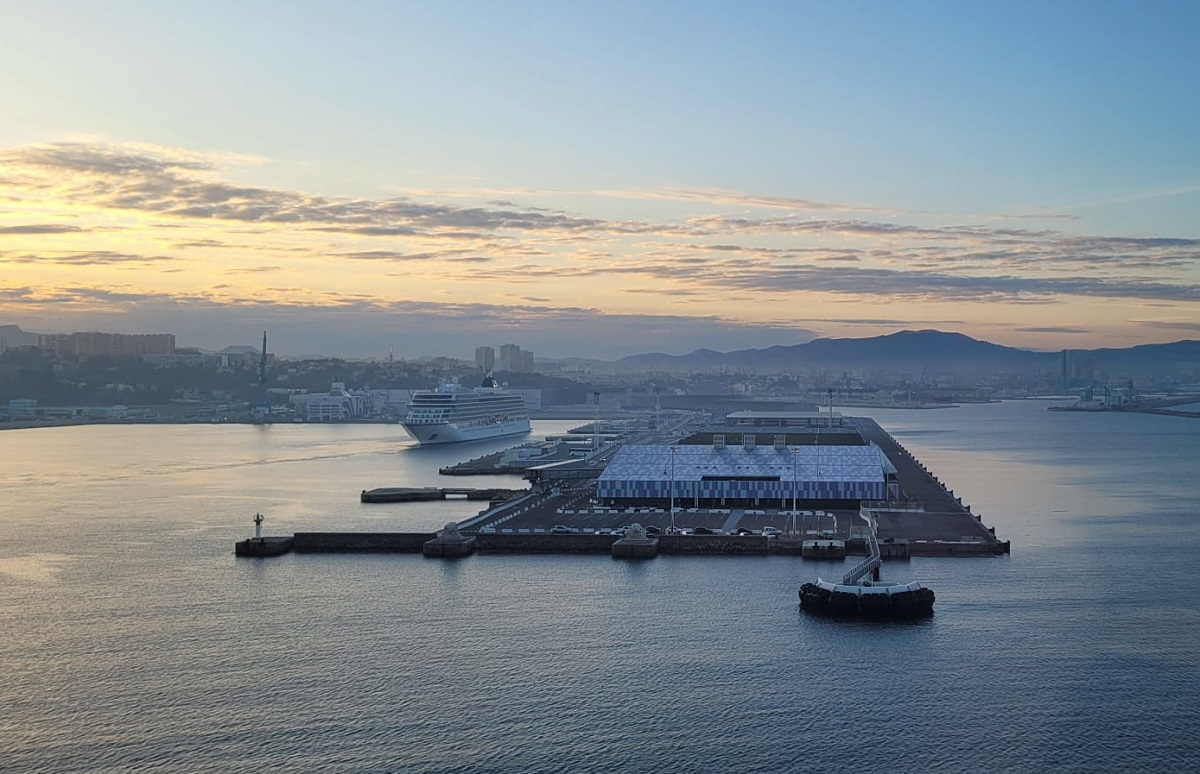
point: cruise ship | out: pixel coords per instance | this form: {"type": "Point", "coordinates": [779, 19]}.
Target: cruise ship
{"type": "Point", "coordinates": [453, 413]}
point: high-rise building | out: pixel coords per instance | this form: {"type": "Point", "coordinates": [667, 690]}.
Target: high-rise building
{"type": "Point", "coordinates": [508, 352]}
{"type": "Point", "coordinates": [513, 358]}
{"type": "Point", "coordinates": [485, 358]}
{"type": "Point", "coordinates": [1077, 367]}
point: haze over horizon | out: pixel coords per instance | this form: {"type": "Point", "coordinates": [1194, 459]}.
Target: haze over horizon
{"type": "Point", "coordinates": [601, 181]}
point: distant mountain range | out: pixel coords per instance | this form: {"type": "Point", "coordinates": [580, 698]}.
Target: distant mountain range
{"type": "Point", "coordinates": [925, 351]}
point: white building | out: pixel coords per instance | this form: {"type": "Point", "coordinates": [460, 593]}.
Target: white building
{"type": "Point", "coordinates": [338, 404]}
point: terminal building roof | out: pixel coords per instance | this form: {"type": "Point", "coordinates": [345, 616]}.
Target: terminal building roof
{"type": "Point", "coordinates": [792, 436]}
{"type": "Point", "coordinates": [786, 418]}
{"type": "Point", "coordinates": [697, 463]}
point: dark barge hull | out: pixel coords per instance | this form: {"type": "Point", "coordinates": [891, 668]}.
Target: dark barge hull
{"type": "Point", "coordinates": [887, 602]}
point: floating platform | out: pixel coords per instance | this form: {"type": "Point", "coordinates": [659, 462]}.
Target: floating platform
{"type": "Point", "coordinates": [867, 597]}
{"type": "Point", "coordinates": [870, 599]}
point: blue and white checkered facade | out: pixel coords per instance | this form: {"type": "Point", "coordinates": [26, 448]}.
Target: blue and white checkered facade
{"type": "Point", "coordinates": [806, 472]}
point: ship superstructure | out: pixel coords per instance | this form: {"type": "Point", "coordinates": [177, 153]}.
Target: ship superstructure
{"type": "Point", "coordinates": [453, 413]}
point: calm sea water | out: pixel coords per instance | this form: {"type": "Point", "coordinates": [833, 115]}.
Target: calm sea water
{"type": "Point", "coordinates": [131, 639]}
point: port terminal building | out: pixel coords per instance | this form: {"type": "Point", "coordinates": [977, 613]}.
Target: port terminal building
{"type": "Point", "coordinates": [746, 474]}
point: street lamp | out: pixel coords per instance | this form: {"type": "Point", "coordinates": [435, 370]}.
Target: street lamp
{"type": "Point", "coordinates": [673, 450]}
{"type": "Point", "coordinates": [795, 484]}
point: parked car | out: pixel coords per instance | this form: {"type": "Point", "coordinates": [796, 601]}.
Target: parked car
{"type": "Point", "coordinates": [561, 528]}
{"type": "Point", "coordinates": [744, 531]}
{"type": "Point", "coordinates": [772, 532]}
{"type": "Point", "coordinates": [704, 531]}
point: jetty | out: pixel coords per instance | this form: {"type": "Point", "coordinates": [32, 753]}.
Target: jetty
{"type": "Point", "coordinates": [418, 494]}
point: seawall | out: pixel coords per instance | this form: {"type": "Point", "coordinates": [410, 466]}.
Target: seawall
{"type": "Point", "coordinates": [551, 543]}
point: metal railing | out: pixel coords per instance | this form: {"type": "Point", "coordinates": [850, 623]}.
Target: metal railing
{"type": "Point", "coordinates": [873, 560]}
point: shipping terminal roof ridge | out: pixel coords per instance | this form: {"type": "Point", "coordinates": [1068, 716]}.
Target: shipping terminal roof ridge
{"type": "Point", "coordinates": [693, 462]}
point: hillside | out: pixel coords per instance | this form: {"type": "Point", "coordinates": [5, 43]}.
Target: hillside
{"type": "Point", "coordinates": [928, 351]}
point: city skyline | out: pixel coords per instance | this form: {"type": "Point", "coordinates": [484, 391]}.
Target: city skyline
{"type": "Point", "coordinates": [601, 182]}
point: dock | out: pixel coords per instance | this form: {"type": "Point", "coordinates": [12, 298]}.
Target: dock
{"type": "Point", "coordinates": [419, 494]}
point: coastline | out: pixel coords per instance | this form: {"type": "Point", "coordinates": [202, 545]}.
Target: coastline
{"type": "Point", "coordinates": [28, 424]}
{"type": "Point", "coordinates": [580, 413]}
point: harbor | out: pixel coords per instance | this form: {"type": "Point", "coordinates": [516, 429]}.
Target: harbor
{"type": "Point", "coordinates": [1078, 511]}
{"type": "Point", "coordinates": [574, 503]}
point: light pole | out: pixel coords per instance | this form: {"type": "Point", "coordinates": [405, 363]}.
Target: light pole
{"type": "Point", "coordinates": [673, 450]}
{"type": "Point", "coordinates": [795, 484]}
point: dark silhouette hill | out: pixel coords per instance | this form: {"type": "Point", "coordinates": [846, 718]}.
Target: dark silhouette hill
{"type": "Point", "coordinates": [925, 351]}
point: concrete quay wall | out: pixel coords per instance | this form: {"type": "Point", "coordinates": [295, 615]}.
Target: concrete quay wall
{"type": "Point", "coordinates": [551, 543]}
{"type": "Point", "coordinates": [533, 543]}
{"type": "Point", "coordinates": [543, 543]}
{"type": "Point", "coordinates": [964, 548]}
{"type": "Point", "coordinates": [263, 546]}
{"type": "Point", "coordinates": [744, 545]}
{"type": "Point", "coordinates": [358, 542]}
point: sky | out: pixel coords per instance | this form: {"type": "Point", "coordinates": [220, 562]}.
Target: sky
{"type": "Point", "coordinates": [600, 179]}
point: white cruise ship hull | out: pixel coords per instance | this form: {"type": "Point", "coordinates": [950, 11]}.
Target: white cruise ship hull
{"type": "Point", "coordinates": [449, 432]}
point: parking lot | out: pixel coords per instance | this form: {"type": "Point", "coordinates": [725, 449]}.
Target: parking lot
{"type": "Point", "coordinates": [574, 510]}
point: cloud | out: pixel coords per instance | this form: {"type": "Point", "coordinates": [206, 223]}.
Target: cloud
{"type": "Point", "coordinates": [713, 196]}
{"type": "Point", "coordinates": [183, 185]}
{"type": "Point", "coordinates": [254, 270]}
{"type": "Point", "coordinates": [352, 324]}
{"type": "Point", "coordinates": [1171, 325]}
{"type": "Point", "coordinates": [879, 321]}
{"type": "Point", "coordinates": [201, 243]}
{"type": "Point", "coordinates": [92, 258]}
{"type": "Point", "coordinates": [1038, 216]}
{"type": "Point", "coordinates": [371, 230]}
{"type": "Point", "coordinates": [897, 284]}
{"type": "Point", "coordinates": [103, 159]}
{"type": "Point", "coordinates": [664, 291]}
{"type": "Point", "coordinates": [41, 228]}
{"type": "Point", "coordinates": [934, 286]}
{"type": "Point", "coordinates": [1139, 196]}
{"type": "Point", "coordinates": [719, 196]}
{"type": "Point", "coordinates": [391, 255]}
{"type": "Point", "coordinates": [1054, 329]}
{"type": "Point", "coordinates": [755, 256]}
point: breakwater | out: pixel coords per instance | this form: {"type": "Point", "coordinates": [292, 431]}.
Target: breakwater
{"type": "Point", "coordinates": [527, 543]}
{"type": "Point", "coordinates": [550, 543]}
